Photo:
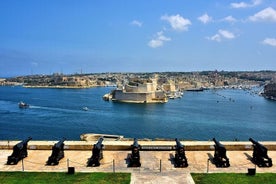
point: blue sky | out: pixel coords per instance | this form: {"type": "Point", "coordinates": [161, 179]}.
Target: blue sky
{"type": "Point", "coordinates": [92, 36]}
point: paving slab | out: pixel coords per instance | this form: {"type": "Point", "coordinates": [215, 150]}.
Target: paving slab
{"type": "Point", "coordinates": [157, 166]}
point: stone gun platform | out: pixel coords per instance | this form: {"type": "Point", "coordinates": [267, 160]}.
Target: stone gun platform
{"type": "Point", "coordinates": [156, 159]}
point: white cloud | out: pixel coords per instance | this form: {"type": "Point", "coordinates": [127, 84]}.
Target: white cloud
{"type": "Point", "coordinates": [222, 34]}
{"type": "Point", "coordinates": [136, 23]}
{"type": "Point", "coordinates": [159, 40]}
{"type": "Point", "coordinates": [269, 41]}
{"type": "Point", "coordinates": [216, 37]}
{"type": "Point", "coordinates": [177, 22]}
{"type": "Point", "coordinates": [205, 18]}
{"type": "Point", "coordinates": [268, 14]}
{"type": "Point", "coordinates": [226, 34]}
{"type": "Point", "coordinates": [246, 5]}
{"type": "Point", "coordinates": [229, 19]}
{"type": "Point", "coordinates": [239, 5]}
{"type": "Point", "coordinates": [154, 43]}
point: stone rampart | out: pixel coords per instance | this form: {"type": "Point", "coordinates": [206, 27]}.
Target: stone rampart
{"type": "Point", "coordinates": [145, 145]}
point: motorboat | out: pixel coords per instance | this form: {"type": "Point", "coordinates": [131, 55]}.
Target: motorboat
{"type": "Point", "coordinates": [85, 108]}
{"type": "Point", "coordinates": [23, 105]}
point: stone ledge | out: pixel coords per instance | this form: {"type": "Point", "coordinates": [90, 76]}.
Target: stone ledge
{"type": "Point", "coordinates": [146, 145]}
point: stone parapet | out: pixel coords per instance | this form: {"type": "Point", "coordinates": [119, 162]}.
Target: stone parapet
{"type": "Point", "coordinates": [145, 145]}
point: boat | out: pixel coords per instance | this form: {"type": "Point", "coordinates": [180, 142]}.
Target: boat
{"type": "Point", "coordinates": [23, 105]}
{"type": "Point", "coordinates": [195, 89]}
{"type": "Point", "coordinates": [85, 108]}
{"type": "Point", "coordinates": [107, 97]}
{"type": "Point", "coordinates": [94, 137]}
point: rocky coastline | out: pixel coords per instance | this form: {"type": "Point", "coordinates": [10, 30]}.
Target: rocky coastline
{"type": "Point", "coordinates": [270, 91]}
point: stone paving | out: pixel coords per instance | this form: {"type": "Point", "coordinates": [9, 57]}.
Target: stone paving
{"type": "Point", "coordinates": [149, 172]}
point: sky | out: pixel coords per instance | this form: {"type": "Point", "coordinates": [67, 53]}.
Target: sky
{"type": "Point", "coordinates": [95, 36]}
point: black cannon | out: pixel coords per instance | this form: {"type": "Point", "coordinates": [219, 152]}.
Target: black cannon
{"type": "Point", "coordinates": [260, 156]}
{"type": "Point", "coordinates": [57, 153]}
{"type": "Point", "coordinates": [97, 154]}
{"type": "Point", "coordinates": [19, 152]}
{"type": "Point", "coordinates": [220, 159]}
{"type": "Point", "coordinates": [180, 157]}
{"type": "Point", "coordinates": [134, 159]}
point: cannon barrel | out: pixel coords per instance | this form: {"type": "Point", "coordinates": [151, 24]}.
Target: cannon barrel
{"type": "Point", "coordinates": [218, 144]}
{"type": "Point", "coordinates": [27, 140]}
{"type": "Point", "coordinates": [23, 143]}
{"type": "Point", "coordinates": [257, 143]}
{"type": "Point", "coordinates": [259, 147]}
{"type": "Point", "coordinates": [253, 141]}
{"type": "Point", "coordinates": [99, 144]}
{"type": "Point", "coordinates": [59, 144]}
{"type": "Point", "coordinates": [178, 143]}
{"type": "Point", "coordinates": [135, 143]}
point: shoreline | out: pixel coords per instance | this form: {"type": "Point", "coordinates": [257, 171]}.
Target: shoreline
{"type": "Point", "coordinates": [242, 87]}
{"type": "Point", "coordinates": [61, 87]}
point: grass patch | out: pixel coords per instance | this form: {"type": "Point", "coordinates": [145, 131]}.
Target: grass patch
{"type": "Point", "coordinates": [234, 178]}
{"type": "Point", "coordinates": [61, 177]}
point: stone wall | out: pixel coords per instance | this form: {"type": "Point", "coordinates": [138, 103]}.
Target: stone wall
{"type": "Point", "coordinates": [146, 145]}
{"type": "Point", "coordinates": [119, 95]}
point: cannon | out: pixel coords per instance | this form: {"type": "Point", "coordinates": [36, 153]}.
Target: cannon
{"type": "Point", "coordinates": [260, 156]}
{"type": "Point", "coordinates": [180, 157]}
{"type": "Point", "coordinates": [57, 153]}
{"type": "Point", "coordinates": [220, 159]}
{"type": "Point", "coordinates": [19, 152]}
{"type": "Point", "coordinates": [97, 154]}
{"type": "Point", "coordinates": [134, 159]}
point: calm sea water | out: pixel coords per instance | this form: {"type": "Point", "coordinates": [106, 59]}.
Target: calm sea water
{"type": "Point", "coordinates": [56, 113]}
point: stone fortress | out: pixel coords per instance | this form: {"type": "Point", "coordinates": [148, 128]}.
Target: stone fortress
{"type": "Point", "coordinates": [139, 91]}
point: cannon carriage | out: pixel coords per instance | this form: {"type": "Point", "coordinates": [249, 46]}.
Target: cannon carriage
{"type": "Point", "coordinates": [97, 154]}
{"type": "Point", "coordinates": [19, 152]}
{"type": "Point", "coordinates": [180, 156]}
{"type": "Point", "coordinates": [134, 159]}
{"type": "Point", "coordinates": [57, 153]}
{"type": "Point", "coordinates": [220, 159]}
{"type": "Point", "coordinates": [260, 156]}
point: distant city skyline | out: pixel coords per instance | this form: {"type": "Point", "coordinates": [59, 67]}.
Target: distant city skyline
{"type": "Point", "coordinates": [69, 36]}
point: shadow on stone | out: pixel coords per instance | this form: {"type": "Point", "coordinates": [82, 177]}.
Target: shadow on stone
{"type": "Point", "coordinates": [211, 158]}
{"type": "Point", "coordinates": [249, 157]}
{"type": "Point", "coordinates": [127, 159]}
{"type": "Point", "coordinates": [172, 159]}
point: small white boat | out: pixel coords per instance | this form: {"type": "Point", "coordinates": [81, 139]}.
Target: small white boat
{"type": "Point", "coordinates": [23, 105]}
{"type": "Point", "coordinates": [85, 108]}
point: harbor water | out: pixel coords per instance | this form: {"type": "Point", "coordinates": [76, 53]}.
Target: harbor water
{"type": "Point", "coordinates": [227, 114]}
